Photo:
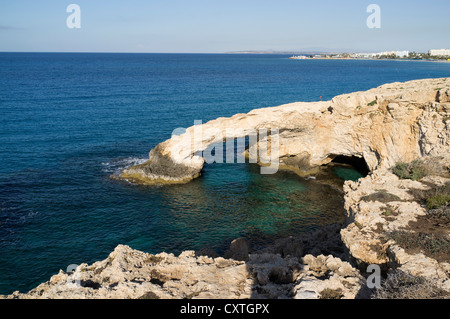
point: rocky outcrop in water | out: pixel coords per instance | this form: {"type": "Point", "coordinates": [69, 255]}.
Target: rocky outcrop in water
{"type": "Point", "coordinates": [391, 123]}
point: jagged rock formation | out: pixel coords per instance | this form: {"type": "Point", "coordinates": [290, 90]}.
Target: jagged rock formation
{"type": "Point", "coordinates": [128, 273]}
{"type": "Point", "coordinates": [398, 121]}
{"type": "Point", "coordinates": [382, 205]}
{"type": "Point", "coordinates": [392, 123]}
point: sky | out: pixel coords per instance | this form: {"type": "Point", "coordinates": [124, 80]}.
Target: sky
{"type": "Point", "coordinates": [213, 26]}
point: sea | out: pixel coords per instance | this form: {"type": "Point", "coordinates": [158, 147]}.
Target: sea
{"type": "Point", "coordinates": [71, 122]}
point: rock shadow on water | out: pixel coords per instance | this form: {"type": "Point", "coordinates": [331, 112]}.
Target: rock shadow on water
{"type": "Point", "coordinates": [284, 227]}
{"type": "Point", "coordinates": [315, 264]}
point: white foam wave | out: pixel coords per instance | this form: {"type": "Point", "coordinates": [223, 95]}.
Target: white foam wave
{"type": "Point", "coordinates": [116, 166]}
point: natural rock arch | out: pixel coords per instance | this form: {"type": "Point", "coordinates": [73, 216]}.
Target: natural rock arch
{"type": "Point", "coordinates": [382, 126]}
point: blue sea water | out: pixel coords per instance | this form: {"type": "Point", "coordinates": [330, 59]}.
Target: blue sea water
{"type": "Point", "coordinates": [70, 121]}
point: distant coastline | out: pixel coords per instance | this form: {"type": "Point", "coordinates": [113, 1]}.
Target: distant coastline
{"type": "Point", "coordinates": [368, 59]}
{"type": "Point", "coordinates": [324, 55]}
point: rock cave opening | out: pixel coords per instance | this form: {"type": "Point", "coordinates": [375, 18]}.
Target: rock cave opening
{"type": "Point", "coordinates": [357, 163]}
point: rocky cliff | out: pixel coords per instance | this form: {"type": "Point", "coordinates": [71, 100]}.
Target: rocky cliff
{"type": "Point", "coordinates": [397, 216]}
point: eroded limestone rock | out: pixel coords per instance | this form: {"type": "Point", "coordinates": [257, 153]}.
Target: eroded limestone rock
{"type": "Point", "coordinates": [391, 123]}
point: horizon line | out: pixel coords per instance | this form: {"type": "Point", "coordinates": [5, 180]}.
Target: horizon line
{"type": "Point", "coordinates": [281, 52]}
{"type": "Point", "coordinates": [328, 51]}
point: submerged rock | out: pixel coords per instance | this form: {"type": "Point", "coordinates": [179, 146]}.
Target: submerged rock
{"type": "Point", "coordinates": [239, 249]}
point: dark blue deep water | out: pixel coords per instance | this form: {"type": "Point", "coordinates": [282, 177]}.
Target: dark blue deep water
{"type": "Point", "coordinates": [70, 121]}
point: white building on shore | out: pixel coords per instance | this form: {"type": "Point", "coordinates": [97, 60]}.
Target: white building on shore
{"type": "Point", "coordinates": [400, 54]}
{"type": "Point", "coordinates": [364, 55]}
{"type": "Point", "coordinates": [440, 52]}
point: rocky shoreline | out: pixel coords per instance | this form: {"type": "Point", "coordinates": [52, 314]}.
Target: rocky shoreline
{"type": "Point", "coordinates": [397, 221]}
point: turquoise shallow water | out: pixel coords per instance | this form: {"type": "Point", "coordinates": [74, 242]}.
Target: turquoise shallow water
{"type": "Point", "coordinates": [70, 121]}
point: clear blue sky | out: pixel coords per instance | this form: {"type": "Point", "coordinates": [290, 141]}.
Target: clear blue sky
{"type": "Point", "coordinates": [222, 26]}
